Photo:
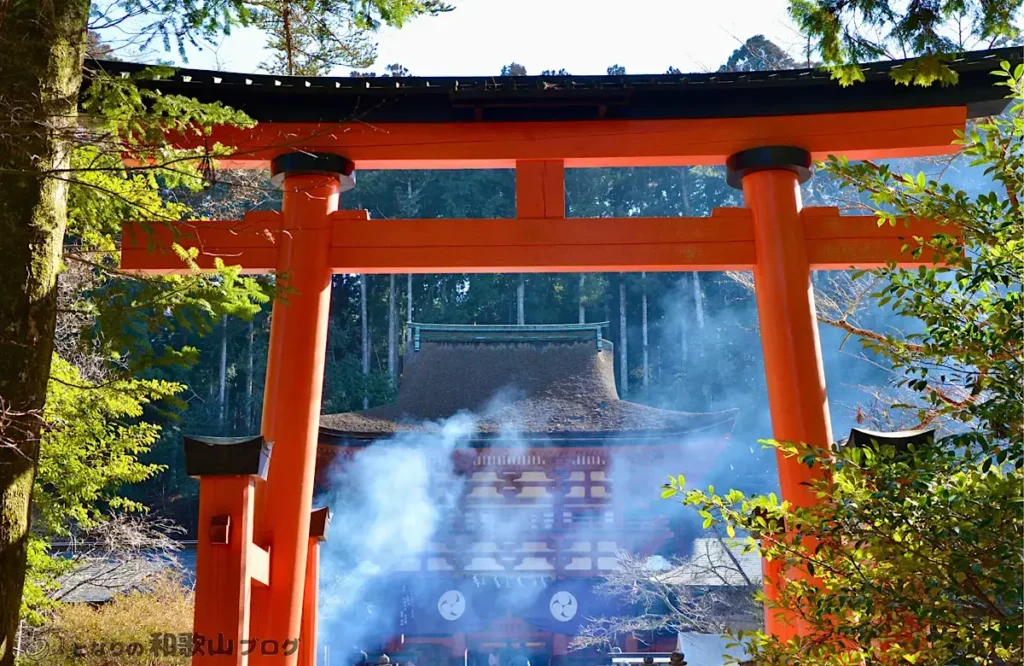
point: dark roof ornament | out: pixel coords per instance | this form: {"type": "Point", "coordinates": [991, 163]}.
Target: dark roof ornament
{"type": "Point", "coordinates": [320, 523]}
{"type": "Point", "coordinates": [506, 333]}
{"type": "Point", "coordinates": [326, 164]}
{"type": "Point", "coordinates": [900, 440]}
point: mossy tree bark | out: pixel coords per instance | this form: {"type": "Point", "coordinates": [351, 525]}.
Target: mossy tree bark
{"type": "Point", "coordinates": [41, 46]}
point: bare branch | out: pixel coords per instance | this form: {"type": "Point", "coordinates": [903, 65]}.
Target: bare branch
{"type": "Point", "coordinates": [710, 591]}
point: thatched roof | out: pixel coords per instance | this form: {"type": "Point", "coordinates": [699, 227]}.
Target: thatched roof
{"type": "Point", "coordinates": [536, 388]}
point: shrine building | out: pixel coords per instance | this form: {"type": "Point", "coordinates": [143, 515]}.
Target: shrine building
{"type": "Point", "coordinates": [558, 475]}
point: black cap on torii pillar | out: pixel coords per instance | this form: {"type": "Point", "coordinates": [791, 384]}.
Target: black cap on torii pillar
{"type": "Point", "coordinates": [765, 158]}
{"type": "Point", "coordinates": [327, 164]}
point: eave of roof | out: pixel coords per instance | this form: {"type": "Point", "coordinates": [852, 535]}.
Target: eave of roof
{"type": "Point", "coordinates": [485, 440]}
{"type": "Point", "coordinates": [271, 98]}
{"type": "Point", "coordinates": [352, 432]}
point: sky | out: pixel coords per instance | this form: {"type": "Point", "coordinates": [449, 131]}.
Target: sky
{"type": "Point", "coordinates": [583, 36]}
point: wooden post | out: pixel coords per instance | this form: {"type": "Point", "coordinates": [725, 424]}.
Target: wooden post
{"type": "Point", "coordinates": [227, 562]}
{"type": "Point", "coordinates": [460, 653]}
{"type": "Point", "coordinates": [795, 373]}
{"type": "Point", "coordinates": [559, 649]}
{"type": "Point", "coordinates": [319, 524]}
{"type": "Point", "coordinates": [540, 193]}
{"type": "Point", "coordinates": [298, 340]}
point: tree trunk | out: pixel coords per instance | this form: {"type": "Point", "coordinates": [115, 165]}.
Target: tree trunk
{"type": "Point", "coordinates": [521, 301]}
{"type": "Point", "coordinates": [684, 190]}
{"type": "Point", "coordinates": [702, 344]}
{"type": "Point", "coordinates": [623, 363]}
{"type": "Point", "coordinates": [249, 407]}
{"type": "Point", "coordinates": [222, 393]}
{"type": "Point", "coordinates": [408, 308]}
{"type": "Point", "coordinates": [41, 46]}
{"type": "Point", "coordinates": [583, 310]}
{"type": "Point", "coordinates": [365, 326]}
{"type": "Point", "coordinates": [643, 324]}
{"type": "Point", "coordinates": [684, 347]}
{"type": "Point", "coordinates": [289, 44]}
{"type": "Point", "coordinates": [698, 300]}
{"type": "Point", "coordinates": [392, 331]}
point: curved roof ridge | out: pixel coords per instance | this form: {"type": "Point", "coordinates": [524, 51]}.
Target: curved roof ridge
{"type": "Point", "coordinates": [559, 388]}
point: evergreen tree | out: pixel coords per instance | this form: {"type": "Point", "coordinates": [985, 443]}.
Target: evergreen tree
{"type": "Point", "coordinates": [758, 54]}
{"type": "Point", "coordinates": [311, 37]}
{"type": "Point", "coordinates": [513, 69]}
{"type": "Point", "coordinates": [845, 33]}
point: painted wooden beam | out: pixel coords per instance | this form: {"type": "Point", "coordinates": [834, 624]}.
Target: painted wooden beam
{"type": "Point", "coordinates": [608, 143]}
{"type": "Point", "coordinates": [723, 241]}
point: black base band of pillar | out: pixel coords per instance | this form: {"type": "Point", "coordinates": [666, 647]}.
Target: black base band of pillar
{"type": "Point", "coordinates": [767, 158]}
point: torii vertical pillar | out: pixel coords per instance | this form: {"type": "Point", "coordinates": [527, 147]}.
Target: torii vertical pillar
{"type": "Point", "coordinates": [229, 566]}
{"type": "Point", "coordinates": [770, 178]}
{"type": "Point", "coordinates": [319, 525]}
{"type": "Point", "coordinates": [312, 184]}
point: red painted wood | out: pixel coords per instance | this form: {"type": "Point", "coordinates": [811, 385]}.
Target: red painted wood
{"type": "Point", "coordinates": [291, 409]}
{"type": "Point", "coordinates": [310, 602]}
{"type": "Point", "coordinates": [724, 241]}
{"type": "Point", "coordinates": [610, 143]}
{"type": "Point", "coordinates": [222, 590]}
{"type": "Point", "coordinates": [792, 350]}
{"type": "Point", "coordinates": [773, 237]}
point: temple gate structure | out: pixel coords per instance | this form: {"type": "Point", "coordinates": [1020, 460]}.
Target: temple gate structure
{"type": "Point", "coordinates": [255, 571]}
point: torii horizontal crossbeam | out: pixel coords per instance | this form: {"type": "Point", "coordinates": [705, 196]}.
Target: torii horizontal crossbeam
{"type": "Point", "coordinates": [724, 241]}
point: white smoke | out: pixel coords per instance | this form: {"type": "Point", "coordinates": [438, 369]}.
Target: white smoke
{"type": "Point", "coordinates": [388, 502]}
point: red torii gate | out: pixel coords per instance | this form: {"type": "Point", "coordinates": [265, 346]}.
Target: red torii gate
{"type": "Point", "coordinates": [254, 536]}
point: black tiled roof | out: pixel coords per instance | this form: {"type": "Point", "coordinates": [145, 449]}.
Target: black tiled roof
{"type": "Point", "coordinates": [271, 98]}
